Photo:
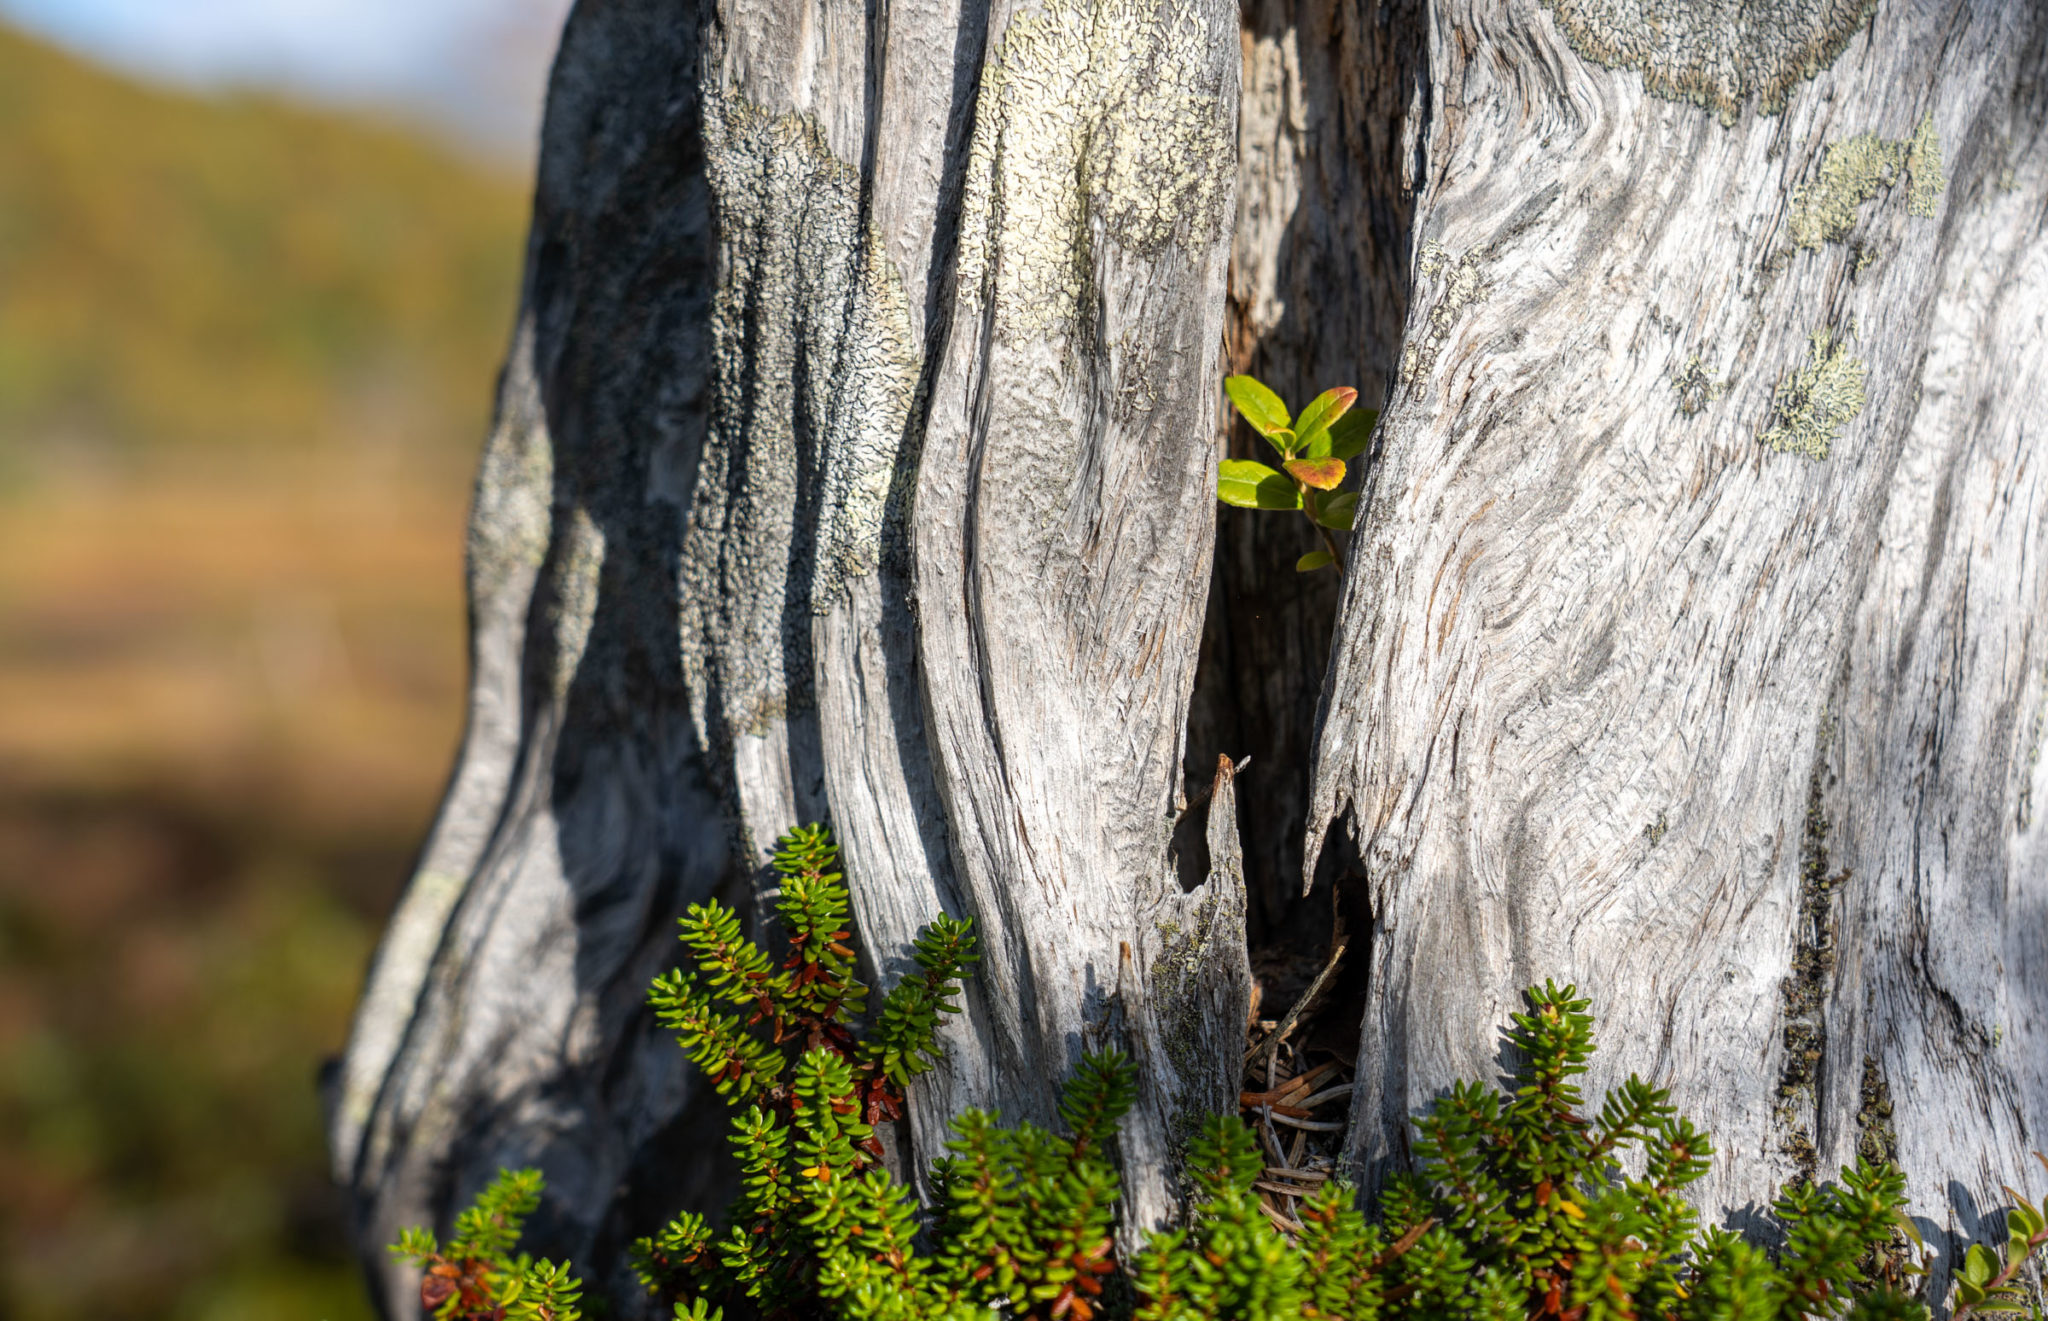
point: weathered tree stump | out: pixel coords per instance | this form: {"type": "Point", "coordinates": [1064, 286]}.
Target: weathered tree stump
{"type": "Point", "coordinates": [855, 461]}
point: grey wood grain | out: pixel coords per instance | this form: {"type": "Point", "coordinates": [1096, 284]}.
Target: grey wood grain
{"type": "Point", "coordinates": [854, 461]}
{"type": "Point", "coordinates": [1064, 516]}
{"type": "Point", "coordinates": [1611, 669]}
{"type": "Point", "coordinates": [829, 309]}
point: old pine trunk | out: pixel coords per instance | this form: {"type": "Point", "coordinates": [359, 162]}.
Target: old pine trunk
{"type": "Point", "coordinates": [854, 461]}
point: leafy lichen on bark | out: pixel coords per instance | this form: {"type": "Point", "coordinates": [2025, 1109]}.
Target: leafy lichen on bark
{"type": "Point", "coordinates": [1857, 169]}
{"type": "Point", "coordinates": [1696, 386]}
{"type": "Point", "coordinates": [1717, 54]}
{"type": "Point", "coordinates": [1813, 403]}
{"type": "Point", "coordinates": [1876, 1139]}
{"type": "Point", "coordinates": [1923, 165]}
{"type": "Point", "coordinates": [1177, 977]}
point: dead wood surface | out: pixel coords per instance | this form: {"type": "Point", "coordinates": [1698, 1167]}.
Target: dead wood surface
{"type": "Point", "coordinates": [854, 462]}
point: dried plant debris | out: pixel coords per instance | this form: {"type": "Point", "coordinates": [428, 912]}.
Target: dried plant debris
{"type": "Point", "coordinates": [1856, 170]}
{"type": "Point", "coordinates": [1297, 1097]}
{"type": "Point", "coordinates": [1717, 54]}
{"type": "Point", "coordinates": [1812, 405]}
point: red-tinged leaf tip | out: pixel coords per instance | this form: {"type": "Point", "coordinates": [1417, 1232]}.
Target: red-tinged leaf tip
{"type": "Point", "coordinates": [1322, 474]}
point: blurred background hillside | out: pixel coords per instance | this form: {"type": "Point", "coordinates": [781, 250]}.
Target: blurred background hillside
{"type": "Point", "coordinates": [249, 321]}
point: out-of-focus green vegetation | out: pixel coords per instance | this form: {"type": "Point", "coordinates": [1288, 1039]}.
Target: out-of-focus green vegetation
{"type": "Point", "coordinates": [175, 269]}
{"type": "Point", "coordinates": [246, 353]}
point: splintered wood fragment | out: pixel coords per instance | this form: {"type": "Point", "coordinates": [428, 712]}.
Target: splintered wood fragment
{"type": "Point", "coordinates": [1298, 1176]}
{"type": "Point", "coordinates": [1402, 1244]}
{"type": "Point", "coordinates": [1301, 1006]}
{"type": "Point", "coordinates": [1281, 1189]}
{"type": "Point", "coordinates": [1264, 1101]}
{"type": "Point", "coordinates": [1311, 1125]}
{"type": "Point", "coordinates": [1202, 796]}
{"type": "Point", "coordinates": [1324, 1097]}
{"type": "Point", "coordinates": [1283, 1222]}
{"type": "Point", "coordinates": [1285, 1093]}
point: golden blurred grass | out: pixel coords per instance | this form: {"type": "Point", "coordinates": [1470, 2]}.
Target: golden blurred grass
{"type": "Point", "coordinates": [298, 625]}
{"type": "Point", "coordinates": [245, 358]}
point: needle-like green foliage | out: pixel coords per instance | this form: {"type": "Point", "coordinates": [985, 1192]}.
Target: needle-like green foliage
{"type": "Point", "coordinates": [475, 1277]}
{"type": "Point", "coordinates": [1522, 1207]}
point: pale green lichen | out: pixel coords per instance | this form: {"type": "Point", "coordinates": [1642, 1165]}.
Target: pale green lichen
{"type": "Point", "coordinates": [1923, 165]}
{"type": "Point", "coordinates": [1463, 283]}
{"type": "Point", "coordinates": [1079, 121]}
{"type": "Point", "coordinates": [1813, 404]}
{"type": "Point", "coordinates": [1696, 386]}
{"type": "Point", "coordinates": [1714, 53]}
{"type": "Point", "coordinates": [1851, 173]}
{"type": "Point", "coordinates": [1856, 170]}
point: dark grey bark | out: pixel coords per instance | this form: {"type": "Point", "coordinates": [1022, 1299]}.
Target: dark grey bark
{"type": "Point", "coordinates": [854, 461]}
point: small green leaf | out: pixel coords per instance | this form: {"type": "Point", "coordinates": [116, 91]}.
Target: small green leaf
{"type": "Point", "coordinates": [1339, 511]}
{"type": "Point", "coordinates": [1259, 405]}
{"type": "Point", "coordinates": [1979, 1265]}
{"type": "Point", "coordinates": [1251, 485]}
{"type": "Point", "coordinates": [1312, 561]}
{"type": "Point", "coordinates": [1323, 474]}
{"type": "Point", "coordinates": [1283, 440]}
{"type": "Point", "coordinates": [1350, 433]}
{"type": "Point", "coordinates": [1323, 411]}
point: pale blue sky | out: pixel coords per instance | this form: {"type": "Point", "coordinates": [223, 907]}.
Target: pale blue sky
{"type": "Point", "coordinates": [476, 66]}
